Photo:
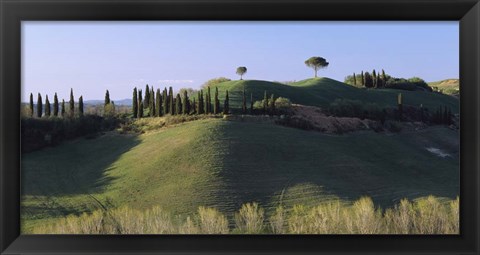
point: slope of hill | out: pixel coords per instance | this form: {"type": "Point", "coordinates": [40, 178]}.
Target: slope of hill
{"type": "Point", "coordinates": [224, 164]}
{"type": "Point", "coordinates": [448, 86]}
{"type": "Point", "coordinates": [322, 91]}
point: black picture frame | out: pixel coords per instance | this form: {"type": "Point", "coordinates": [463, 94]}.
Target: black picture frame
{"type": "Point", "coordinates": [12, 12]}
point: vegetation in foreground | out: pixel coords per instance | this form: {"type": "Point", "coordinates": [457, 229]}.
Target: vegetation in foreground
{"type": "Point", "coordinates": [427, 215]}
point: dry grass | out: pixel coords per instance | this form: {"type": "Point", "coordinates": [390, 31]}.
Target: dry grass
{"type": "Point", "coordinates": [428, 215]}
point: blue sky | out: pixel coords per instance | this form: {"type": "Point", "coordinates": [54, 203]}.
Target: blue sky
{"type": "Point", "coordinates": [91, 57]}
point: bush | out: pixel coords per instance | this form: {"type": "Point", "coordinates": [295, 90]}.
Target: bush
{"type": "Point", "coordinates": [249, 219]}
{"type": "Point", "coordinates": [411, 84]}
{"type": "Point", "coordinates": [214, 81]}
{"type": "Point", "coordinates": [283, 105]}
{"type": "Point", "coordinates": [211, 221]}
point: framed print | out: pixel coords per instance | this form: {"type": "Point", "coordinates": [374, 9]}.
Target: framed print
{"type": "Point", "coordinates": [239, 127]}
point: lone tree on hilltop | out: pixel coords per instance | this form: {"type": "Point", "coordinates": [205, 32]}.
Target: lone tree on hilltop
{"type": "Point", "coordinates": [316, 63]}
{"type": "Point", "coordinates": [241, 70]}
{"type": "Point", "coordinates": [135, 103]}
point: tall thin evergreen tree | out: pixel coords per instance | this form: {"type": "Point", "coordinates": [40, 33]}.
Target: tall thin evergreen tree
{"type": "Point", "coordinates": [152, 102]}
{"type": "Point", "coordinates": [31, 106]}
{"type": "Point", "coordinates": [201, 109]}
{"type": "Point", "coordinates": [146, 102]}
{"type": "Point", "coordinates": [158, 102]}
{"type": "Point", "coordinates": [107, 98]}
{"type": "Point", "coordinates": [374, 78]}
{"type": "Point", "coordinates": [216, 105]}
{"type": "Point", "coordinates": [80, 106]}
{"type": "Point", "coordinates": [140, 107]}
{"type": "Point", "coordinates": [39, 106]}
{"type": "Point", "coordinates": [135, 103]}
{"type": "Point", "coordinates": [72, 104]}
{"type": "Point", "coordinates": [171, 103]}
{"type": "Point", "coordinates": [55, 105]}
{"type": "Point", "coordinates": [165, 101]}
{"type": "Point", "coordinates": [186, 108]}
{"type": "Point", "coordinates": [226, 104]}
{"type": "Point", "coordinates": [47, 106]}
{"type": "Point", "coordinates": [362, 78]}
{"type": "Point", "coordinates": [354, 79]}
{"type": "Point", "coordinates": [63, 107]}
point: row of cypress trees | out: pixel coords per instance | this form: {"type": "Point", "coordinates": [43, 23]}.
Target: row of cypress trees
{"type": "Point", "coordinates": [164, 102]}
{"type": "Point", "coordinates": [372, 80]}
{"type": "Point", "coordinates": [45, 109]}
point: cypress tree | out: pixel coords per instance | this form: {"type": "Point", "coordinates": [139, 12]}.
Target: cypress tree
{"type": "Point", "coordinates": [165, 101]}
{"type": "Point", "coordinates": [31, 105]}
{"type": "Point", "coordinates": [72, 104]}
{"type": "Point", "coordinates": [244, 102]}
{"type": "Point", "coordinates": [362, 78]}
{"type": "Point", "coordinates": [368, 80]}
{"type": "Point", "coordinates": [158, 112]}
{"type": "Point", "coordinates": [63, 107]}
{"type": "Point", "coordinates": [55, 105]}
{"type": "Point", "coordinates": [140, 101]}
{"type": "Point", "coordinates": [272, 104]}
{"type": "Point", "coordinates": [374, 78]}
{"type": "Point", "coordinates": [107, 98]}
{"type": "Point", "coordinates": [152, 102]}
{"type": "Point", "coordinates": [207, 101]}
{"type": "Point", "coordinates": [47, 106]}
{"type": "Point", "coordinates": [251, 104]}
{"type": "Point", "coordinates": [186, 108]}
{"type": "Point", "coordinates": [135, 103]}
{"type": "Point", "coordinates": [146, 102]}
{"type": "Point", "coordinates": [354, 80]}
{"type": "Point", "coordinates": [80, 106]}
{"type": "Point", "coordinates": [178, 104]}
{"type": "Point", "coordinates": [172, 102]}
{"type": "Point", "coordinates": [226, 104]}
{"type": "Point", "coordinates": [216, 105]}
{"type": "Point", "coordinates": [384, 77]}
{"type": "Point", "coordinates": [265, 102]}
{"type": "Point", "coordinates": [39, 106]}
{"type": "Point", "coordinates": [201, 110]}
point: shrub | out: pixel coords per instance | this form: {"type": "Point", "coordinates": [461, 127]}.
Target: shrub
{"type": "Point", "coordinates": [283, 105]}
{"type": "Point", "coordinates": [212, 221]}
{"type": "Point", "coordinates": [277, 221]}
{"type": "Point", "coordinates": [249, 219]}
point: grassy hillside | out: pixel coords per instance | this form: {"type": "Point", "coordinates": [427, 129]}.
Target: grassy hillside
{"type": "Point", "coordinates": [224, 164]}
{"type": "Point", "coordinates": [448, 86]}
{"type": "Point", "coordinates": [322, 91]}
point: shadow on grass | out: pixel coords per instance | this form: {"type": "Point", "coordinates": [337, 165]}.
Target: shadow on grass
{"type": "Point", "coordinates": [74, 168]}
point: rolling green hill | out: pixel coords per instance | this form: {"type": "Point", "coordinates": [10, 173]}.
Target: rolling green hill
{"type": "Point", "coordinates": [224, 164]}
{"type": "Point", "coordinates": [322, 91]}
{"type": "Point", "coordinates": [448, 86]}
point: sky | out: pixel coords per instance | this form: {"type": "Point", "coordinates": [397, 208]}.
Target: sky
{"type": "Point", "coordinates": [91, 57]}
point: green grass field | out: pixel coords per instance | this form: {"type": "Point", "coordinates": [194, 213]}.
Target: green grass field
{"type": "Point", "coordinates": [224, 164]}
{"type": "Point", "coordinates": [323, 91]}
{"type": "Point", "coordinates": [448, 86]}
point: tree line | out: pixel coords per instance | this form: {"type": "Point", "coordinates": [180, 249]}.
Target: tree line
{"type": "Point", "coordinates": [59, 108]}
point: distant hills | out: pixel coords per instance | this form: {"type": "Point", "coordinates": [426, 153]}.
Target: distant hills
{"type": "Point", "coordinates": [126, 101]}
{"type": "Point", "coordinates": [448, 86]}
